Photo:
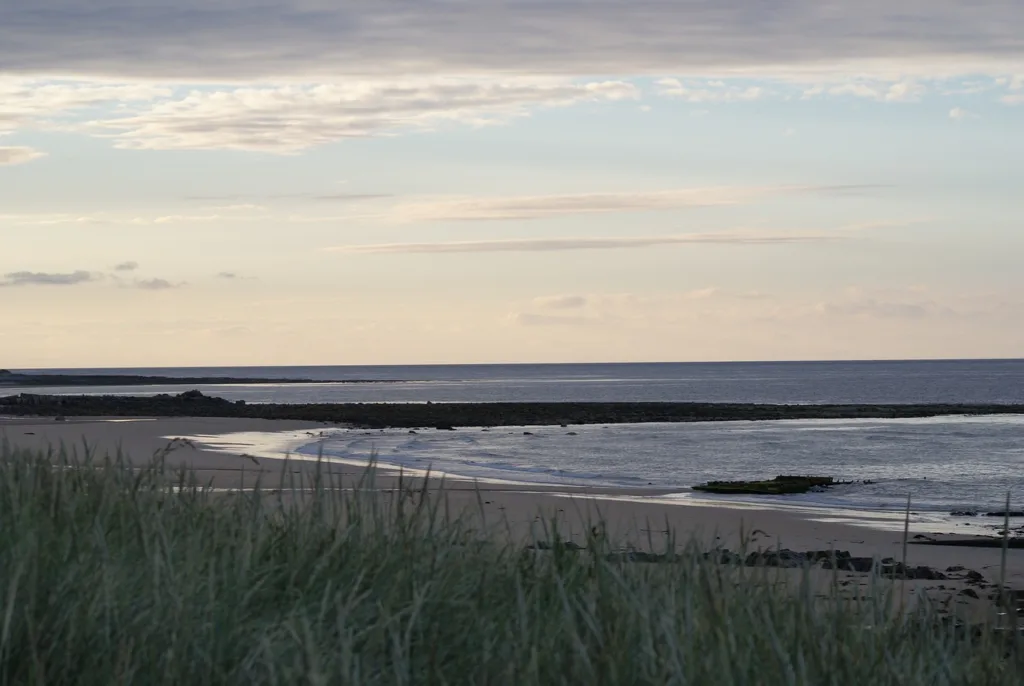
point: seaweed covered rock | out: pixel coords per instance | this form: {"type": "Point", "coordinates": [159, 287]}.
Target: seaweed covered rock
{"type": "Point", "coordinates": [780, 485]}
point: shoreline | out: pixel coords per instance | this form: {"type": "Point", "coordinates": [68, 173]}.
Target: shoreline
{"type": "Point", "coordinates": [638, 515]}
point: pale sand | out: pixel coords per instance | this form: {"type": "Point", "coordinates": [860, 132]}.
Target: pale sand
{"type": "Point", "coordinates": [630, 516]}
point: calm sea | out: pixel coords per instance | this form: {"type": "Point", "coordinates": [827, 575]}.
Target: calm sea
{"type": "Point", "coordinates": [956, 381]}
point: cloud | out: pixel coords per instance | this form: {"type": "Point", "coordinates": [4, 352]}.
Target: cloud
{"type": "Point", "coordinates": [880, 90]}
{"type": "Point", "coordinates": [532, 319]}
{"type": "Point", "coordinates": [959, 114]}
{"type": "Point", "coordinates": [288, 119]}
{"type": "Point", "coordinates": [26, 278]}
{"type": "Point", "coordinates": [1015, 99]}
{"type": "Point", "coordinates": [709, 92]}
{"type": "Point", "coordinates": [870, 307]}
{"type": "Point", "coordinates": [29, 101]}
{"type": "Point", "coordinates": [913, 302]}
{"type": "Point", "coordinates": [155, 284]}
{"type": "Point", "coordinates": [521, 207]}
{"type": "Point", "coordinates": [18, 155]}
{"type": "Point", "coordinates": [561, 302]}
{"type": "Point", "coordinates": [242, 39]}
{"type": "Point", "coordinates": [227, 275]}
{"type": "Point", "coordinates": [47, 278]}
{"type": "Point", "coordinates": [569, 244]}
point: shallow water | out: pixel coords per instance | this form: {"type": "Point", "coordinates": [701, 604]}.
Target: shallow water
{"type": "Point", "coordinates": [943, 463]}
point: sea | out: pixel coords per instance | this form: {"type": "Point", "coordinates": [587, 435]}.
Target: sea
{"type": "Point", "coordinates": [942, 464]}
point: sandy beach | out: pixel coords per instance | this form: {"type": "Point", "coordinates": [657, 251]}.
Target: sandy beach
{"type": "Point", "coordinates": [239, 453]}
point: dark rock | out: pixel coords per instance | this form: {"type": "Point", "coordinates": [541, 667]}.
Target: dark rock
{"type": "Point", "coordinates": [642, 556]}
{"type": "Point", "coordinates": [922, 572]}
{"type": "Point", "coordinates": [780, 485]}
{"type": "Point", "coordinates": [724, 557]}
{"type": "Point", "coordinates": [776, 558]}
{"type": "Point", "coordinates": [857, 564]}
{"type": "Point", "coordinates": [969, 592]}
{"type": "Point", "coordinates": [963, 513]}
{"type": "Point", "coordinates": [1005, 513]}
{"type": "Point", "coordinates": [826, 555]}
{"type": "Point", "coordinates": [527, 433]}
{"type": "Point", "coordinates": [956, 568]}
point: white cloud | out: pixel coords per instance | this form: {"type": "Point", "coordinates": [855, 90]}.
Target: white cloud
{"type": "Point", "coordinates": [709, 91]}
{"type": "Point", "coordinates": [234, 39]}
{"type": "Point", "coordinates": [1012, 99]}
{"type": "Point", "coordinates": [26, 102]}
{"type": "Point", "coordinates": [286, 119]}
{"type": "Point", "coordinates": [18, 155]}
{"type": "Point", "coordinates": [602, 243]}
{"type": "Point", "coordinates": [880, 90]}
{"type": "Point", "coordinates": [959, 114]}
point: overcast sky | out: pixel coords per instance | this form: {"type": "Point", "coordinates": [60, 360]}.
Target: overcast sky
{"type": "Point", "coordinates": [218, 182]}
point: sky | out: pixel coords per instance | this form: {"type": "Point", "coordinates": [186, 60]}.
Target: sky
{"type": "Point", "coordinates": [293, 182]}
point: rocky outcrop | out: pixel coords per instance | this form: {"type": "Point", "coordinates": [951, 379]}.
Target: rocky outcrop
{"type": "Point", "coordinates": [417, 415]}
{"type": "Point", "coordinates": [780, 485]}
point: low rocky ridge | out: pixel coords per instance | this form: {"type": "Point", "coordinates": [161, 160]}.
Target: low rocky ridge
{"type": "Point", "coordinates": [453, 415]}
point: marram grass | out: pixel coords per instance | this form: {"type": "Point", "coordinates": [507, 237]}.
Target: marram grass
{"type": "Point", "coordinates": [114, 576]}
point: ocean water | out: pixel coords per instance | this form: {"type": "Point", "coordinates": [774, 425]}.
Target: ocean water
{"type": "Point", "coordinates": [942, 463]}
{"type": "Point", "coordinates": [955, 381]}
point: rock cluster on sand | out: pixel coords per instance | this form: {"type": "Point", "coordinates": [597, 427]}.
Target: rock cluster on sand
{"type": "Point", "coordinates": [841, 560]}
